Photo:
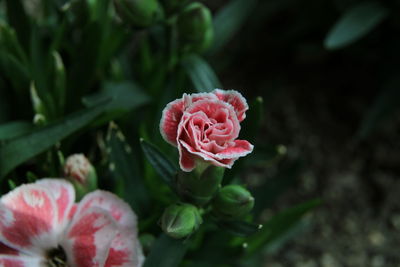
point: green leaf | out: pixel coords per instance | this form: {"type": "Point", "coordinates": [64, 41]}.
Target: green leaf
{"type": "Point", "coordinates": [23, 148]}
{"type": "Point", "coordinates": [160, 162]}
{"type": "Point", "coordinates": [125, 96]}
{"type": "Point", "coordinates": [19, 20]}
{"type": "Point", "coordinates": [355, 24]}
{"type": "Point", "coordinates": [59, 82]}
{"type": "Point", "coordinates": [14, 129]}
{"type": "Point", "coordinates": [201, 74]}
{"type": "Point", "coordinates": [229, 21]}
{"type": "Point", "coordinates": [279, 225]}
{"type": "Point", "coordinates": [166, 252]}
{"type": "Point", "coordinates": [125, 171]}
{"type": "Point", "coordinates": [240, 228]}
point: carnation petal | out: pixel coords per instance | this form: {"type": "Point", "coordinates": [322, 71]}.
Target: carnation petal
{"type": "Point", "coordinates": [207, 156]}
{"type": "Point", "coordinates": [64, 195]}
{"type": "Point", "coordinates": [240, 149]}
{"type": "Point", "coordinates": [116, 207]}
{"type": "Point", "coordinates": [235, 99]}
{"type": "Point", "coordinates": [125, 251]}
{"type": "Point", "coordinates": [170, 119]}
{"type": "Point", "coordinates": [89, 237]}
{"type": "Point", "coordinates": [20, 261]}
{"type": "Point", "coordinates": [28, 217]}
{"type": "Point", "coordinates": [186, 161]}
{"type": "Point", "coordinates": [6, 250]}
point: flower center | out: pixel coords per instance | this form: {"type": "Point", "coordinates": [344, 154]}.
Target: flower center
{"type": "Point", "coordinates": [56, 257]}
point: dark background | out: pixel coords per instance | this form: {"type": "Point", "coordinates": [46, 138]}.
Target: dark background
{"type": "Point", "coordinates": [335, 109]}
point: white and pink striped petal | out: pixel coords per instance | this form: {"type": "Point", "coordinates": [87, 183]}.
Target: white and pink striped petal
{"type": "Point", "coordinates": [235, 99]}
{"type": "Point", "coordinates": [116, 207]}
{"type": "Point", "coordinates": [125, 251]}
{"type": "Point", "coordinates": [20, 261]}
{"type": "Point", "coordinates": [88, 239]}
{"type": "Point", "coordinates": [28, 219]}
{"type": "Point", "coordinates": [64, 195]}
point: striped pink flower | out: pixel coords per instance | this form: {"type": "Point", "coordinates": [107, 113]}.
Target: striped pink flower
{"type": "Point", "coordinates": [205, 127]}
{"type": "Point", "coordinates": [40, 225]}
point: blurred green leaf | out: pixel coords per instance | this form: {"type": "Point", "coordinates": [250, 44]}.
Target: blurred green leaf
{"type": "Point", "coordinates": [279, 225]}
{"type": "Point", "coordinates": [355, 23]}
{"type": "Point", "coordinates": [23, 148]}
{"type": "Point", "coordinates": [14, 129]}
{"type": "Point", "coordinates": [19, 20]}
{"type": "Point", "coordinates": [240, 228]}
{"type": "Point", "coordinates": [15, 71]}
{"type": "Point", "coordinates": [384, 106]}
{"type": "Point", "coordinates": [160, 162]}
{"type": "Point", "coordinates": [125, 170]}
{"type": "Point", "coordinates": [201, 74]}
{"type": "Point", "coordinates": [229, 21]}
{"type": "Point", "coordinates": [125, 96]}
{"type": "Point", "coordinates": [166, 252]}
{"type": "Point", "coordinates": [59, 82]}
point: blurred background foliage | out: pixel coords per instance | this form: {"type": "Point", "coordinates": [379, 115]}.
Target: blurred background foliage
{"type": "Point", "coordinates": [321, 79]}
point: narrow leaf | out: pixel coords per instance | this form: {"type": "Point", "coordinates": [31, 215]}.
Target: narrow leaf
{"type": "Point", "coordinates": [166, 252]}
{"type": "Point", "coordinates": [160, 162]}
{"type": "Point", "coordinates": [355, 24]}
{"type": "Point", "coordinates": [240, 228]}
{"type": "Point", "coordinates": [23, 148]}
{"type": "Point", "coordinates": [201, 74]}
{"type": "Point", "coordinates": [14, 129]}
{"type": "Point", "coordinates": [125, 96]}
{"type": "Point", "coordinates": [229, 21]}
{"type": "Point", "coordinates": [279, 225]}
{"type": "Point", "coordinates": [125, 170]}
{"type": "Point", "coordinates": [19, 20]}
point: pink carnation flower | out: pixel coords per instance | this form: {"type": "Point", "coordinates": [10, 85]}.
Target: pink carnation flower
{"type": "Point", "coordinates": [41, 226]}
{"type": "Point", "coordinates": [205, 126]}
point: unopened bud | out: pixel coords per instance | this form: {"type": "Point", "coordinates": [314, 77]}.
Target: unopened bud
{"type": "Point", "coordinates": [139, 13]}
{"type": "Point", "coordinates": [180, 220]}
{"type": "Point", "coordinates": [195, 28]}
{"type": "Point", "coordinates": [233, 201]}
{"type": "Point", "coordinates": [81, 173]}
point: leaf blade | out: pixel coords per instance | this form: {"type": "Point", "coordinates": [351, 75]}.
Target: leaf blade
{"type": "Point", "coordinates": [355, 24]}
{"type": "Point", "coordinates": [279, 224]}
{"type": "Point", "coordinates": [23, 148]}
{"type": "Point", "coordinates": [159, 162]}
{"type": "Point", "coordinates": [201, 74]}
{"type": "Point", "coordinates": [166, 252]}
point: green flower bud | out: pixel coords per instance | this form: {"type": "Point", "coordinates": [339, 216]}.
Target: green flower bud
{"type": "Point", "coordinates": [140, 13]}
{"type": "Point", "coordinates": [180, 220]}
{"type": "Point", "coordinates": [233, 201]}
{"type": "Point", "coordinates": [200, 185]}
{"type": "Point", "coordinates": [80, 172]}
{"type": "Point", "coordinates": [195, 28]}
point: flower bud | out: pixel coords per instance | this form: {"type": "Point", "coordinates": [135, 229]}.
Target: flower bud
{"type": "Point", "coordinates": [200, 185]}
{"type": "Point", "coordinates": [81, 173]}
{"type": "Point", "coordinates": [180, 220]}
{"type": "Point", "coordinates": [195, 29]}
{"type": "Point", "coordinates": [139, 13]}
{"type": "Point", "coordinates": [232, 201]}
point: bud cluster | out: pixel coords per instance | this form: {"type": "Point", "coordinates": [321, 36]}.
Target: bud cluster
{"type": "Point", "coordinates": [191, 21]}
